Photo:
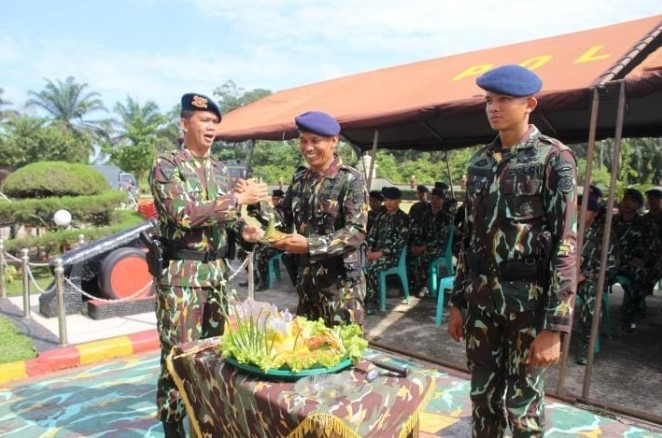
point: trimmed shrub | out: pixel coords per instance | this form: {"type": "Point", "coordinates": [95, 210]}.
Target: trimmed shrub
{"type": "Point", "coordinates": [54, 178]}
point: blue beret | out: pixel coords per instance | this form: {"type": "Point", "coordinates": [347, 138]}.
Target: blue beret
{"type": "Point", "coordinates": [200, 102]}
{"type": "Point", "coordinates": [439, 192]}
{"type": "Point", "coordinates": [422, 188]}
{"type": "Point", "coordinates": [510, 80]}
{"type": "Point", "coordinates": [278, 193]}
{"type": "Point", "coordinates": [634, 194]}
{"type": "Point", "coordinates": [654, 191]}
{"type": "Point", "coordinates": [318, 123]}
{"type": "Point", "coordinates": [376, 194]}
{"type": "Point", "coordinates": [391, 193]}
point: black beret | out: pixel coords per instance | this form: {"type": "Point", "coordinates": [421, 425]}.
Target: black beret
{"type": "Point", "coordinates": [595, 190]}
{"type": "Point", "coordinates": [593, 204]}
{"type": "Point", "coordinates": [391, 193]}
{"type": "Point", "coordinates": [441, 185]}
{"type": "Point", "coordinates": [634, 194]}
{"type": "Point", "coordinates": [376, 194]}
{"type": "Point", "coordinates": [422, 188]}
{"type": "Point", "coordinates": [439, 192]}
{"type": "Point", "coordinates": [200, 102]}
{"type": "Point", "coordinates": [655, 192]}
{"type": "Point", "coordinates": [510, 80]}
{"type": "Point", "coordinates": [318, 123]}
{"type": "Point", "coordinates": [278, 193]}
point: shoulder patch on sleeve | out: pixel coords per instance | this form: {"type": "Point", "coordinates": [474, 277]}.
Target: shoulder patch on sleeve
{"type": "Point", "coordinates": [164, 170]}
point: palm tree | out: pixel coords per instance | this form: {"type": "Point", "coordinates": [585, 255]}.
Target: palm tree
{"type": "Point", "coordinates": [68, 104]}
{"type": "Point", "coordinates": [139, 132]}
{"type": "Point", "coordinates": [4, 113]}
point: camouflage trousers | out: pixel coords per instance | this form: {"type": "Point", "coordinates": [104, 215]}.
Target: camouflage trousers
{"type": "Point", "coordinates": [262, 255]}
{"type": "Point", "coordinates": [183, 314]}
{"type": "Point", "coordinates": [372, 270]}
{"type": "Point", "coordinates": [337, 302]}
{"type": "Point", "coordinates": [504, 390]}
{"type": "Point", "coordinates": [587, 291]}
{"type": "Point", "coordinates": [635, 292]}
{"type": "Point", "coordinates": [417, 272]}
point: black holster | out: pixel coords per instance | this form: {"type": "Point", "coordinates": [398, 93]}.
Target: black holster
{"type": "Point", "coordinates": [525, 269]}
{"type": "Point", "coordinates": [154, 256]}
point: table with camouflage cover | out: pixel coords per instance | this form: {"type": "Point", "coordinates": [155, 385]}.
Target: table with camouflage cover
{"type": "Point", "coordinates": [223, 400]}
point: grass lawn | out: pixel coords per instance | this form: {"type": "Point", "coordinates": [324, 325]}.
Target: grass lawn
{"type": "Point", "coordinates": [41, 274]}
{"type": "Point", "coordinates": [14, 346]}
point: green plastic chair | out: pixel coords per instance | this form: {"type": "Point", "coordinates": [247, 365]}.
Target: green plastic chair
{"type": "Point", "coordinates": [273, 269]}
{"type": "Point", "coordinates": [446, 259]}
{"type": "Point", "coordinates": [605, 324]}
{"type": "Point", "coordinates": [401, 271]}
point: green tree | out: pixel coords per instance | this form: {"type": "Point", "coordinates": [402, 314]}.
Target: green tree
{"type": "Point", "coordinates": [69, 104]}
{"type": "Point", "coordinates": [134, 147]}
{"type": "Point", "coordinates": [230, 96]}
{"type": "Point", "coordinates": [4, 113]}
{"type": "Point", "coordinates": [30, 139]}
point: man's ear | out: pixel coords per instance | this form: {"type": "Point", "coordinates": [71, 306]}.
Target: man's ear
{"type": "Point", "coordinates": [531, 104]}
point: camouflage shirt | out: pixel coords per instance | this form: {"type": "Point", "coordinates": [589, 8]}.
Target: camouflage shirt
{"type": "Point", "coordinates": [591, 251]}
{"type": "Point", "coordinates": [517, 198]}
{"type": "Point", "coordinates": [329, 209]}
{"type": "Point", "coordinates": [417, 212]}
{"type": "Point", "coordinates": [196, 212]}
{"type": "Point", "coordinates": [437, 227]}
{"type": "Point", "coordinates": [389, 234]}
{"type": "Point", "coordinates": [633, 237]}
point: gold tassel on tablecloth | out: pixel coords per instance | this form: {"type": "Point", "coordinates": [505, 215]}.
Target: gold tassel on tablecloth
{"type": "Point", "coordinates": [182, 392]}
{"type": "Point", "coordinates": [329, 424]}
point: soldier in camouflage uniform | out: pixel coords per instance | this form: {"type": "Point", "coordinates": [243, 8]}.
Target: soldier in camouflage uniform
{"type": "Point", "coordinates": [417, 239]}
{"type": "Point", "coordinates": [376, 203]}
{"type": "Point", "coordinates": [654, 220]}
{"type": "Point", "coordinates": [327, 205]}
{"type": "Point", "coordinates": [587, 280]}
{"type": "Point", "coordinates": [385, 241]}
{"type": "Point", "coordinates": [630, 233]}
{"type": "Point", "coordinates": [431, 232]}
{"type": "Point", "coordinates": [197, 212]}
{"type": "Point", "coordinates": [517, 274]}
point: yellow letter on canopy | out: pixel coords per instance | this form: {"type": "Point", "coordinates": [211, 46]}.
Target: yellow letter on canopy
{"type": "Point", "coordinates": [473, 71]}
{"type": "Point", "coordinates": [592, 55]}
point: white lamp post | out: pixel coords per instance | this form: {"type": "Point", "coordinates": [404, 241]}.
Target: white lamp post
{"type": "Point", "coordinates": [62, 218]}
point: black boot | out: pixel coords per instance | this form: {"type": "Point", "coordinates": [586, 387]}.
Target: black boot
{"type": "Point", "coordinates": [174, 430]}
{"type": "Point", "coordinates": [583, 353]}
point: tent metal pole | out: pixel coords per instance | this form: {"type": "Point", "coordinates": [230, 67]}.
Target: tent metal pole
{"type": "Point", "coordinates": [450, 177]}
{"type": "Point", "coordinates": [595, 106]}
{"type": "Point", "coordinates": [373, 153]}
{"type": "Point", "coordinates": [606, 235]}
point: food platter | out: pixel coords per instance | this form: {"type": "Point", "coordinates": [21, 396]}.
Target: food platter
{"type": "Point", "coordinates": [286, 374]}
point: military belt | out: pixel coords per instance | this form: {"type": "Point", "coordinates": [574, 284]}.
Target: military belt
{"type": "Point", "coordinates": [525, 269]}
{"type": "Point", "coordinates": [200, 256]}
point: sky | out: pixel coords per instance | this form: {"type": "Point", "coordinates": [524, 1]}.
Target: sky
{"type": "Point", "coordinates": [157, 50]}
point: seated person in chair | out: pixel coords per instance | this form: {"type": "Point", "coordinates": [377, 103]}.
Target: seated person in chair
{"type": "Point", "coordinates": [633, 239]}
{"type": "Point", "coordinates": [587, 280]}
{"type": "Point", "coordinates": [654, 223]}
{"type": "Point", "coordinates": [385, 240]}
{"type": "Point", "coordinates": [376, 203]}
{"type": "Point", "coordinates": [429, 239]}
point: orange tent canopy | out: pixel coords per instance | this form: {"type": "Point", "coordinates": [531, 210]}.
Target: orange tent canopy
{"type": "Point", "coordinates": [435, 104]}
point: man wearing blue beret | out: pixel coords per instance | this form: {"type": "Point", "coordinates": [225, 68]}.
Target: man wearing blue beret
{"type": "Point", "coordinates": [516, 276]}
{"type": "Point", "coordinates": [197, 204]}
{"type": "Point", "coordinates": [327, 204]}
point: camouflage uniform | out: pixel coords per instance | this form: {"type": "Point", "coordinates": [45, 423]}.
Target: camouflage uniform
{"type": "Point", "coordinates": [633, 239]}
{"type": "Point", "coordinates": [418, 235]}
{"type": "Point", "coordinates": [389, 234]}
{"type": "Point", "coordinates": [372, 217]}
{"type": "Point", "coordinates": [520, 209]}
{"type": "Point", "coordinates": [197, 212]}
{"type": "Point", "coordinates": [432, 230]}
{"type": "Point", "coordinates": [587, 289]}
{"type": "Point", "coordinates": [331, 211]}
{"type": "Point", "coordinates": [654, 262]}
